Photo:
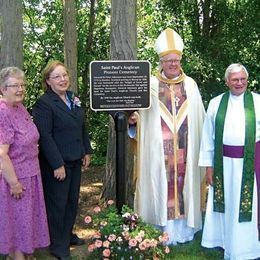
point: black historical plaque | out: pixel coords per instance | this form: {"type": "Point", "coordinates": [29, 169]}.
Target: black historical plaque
{"type": "Point", "coordinates": [119, 85]}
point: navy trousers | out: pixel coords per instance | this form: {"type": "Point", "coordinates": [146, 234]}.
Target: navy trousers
{"type": "Point", "coordinates": [61, 198]}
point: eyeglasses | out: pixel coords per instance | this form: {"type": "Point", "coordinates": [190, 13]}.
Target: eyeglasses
{"type": "Point", "coordinates": [170, 61]}
{"type": "Point", "coordinates": [60, 77]}
{"type": "Point", "coordinates": [243, 80]}
{"type": "Point", "coordinates": [17, 86]}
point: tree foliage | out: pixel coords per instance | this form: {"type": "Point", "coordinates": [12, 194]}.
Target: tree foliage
{"type": "Point", "coordinates": [218, 33]}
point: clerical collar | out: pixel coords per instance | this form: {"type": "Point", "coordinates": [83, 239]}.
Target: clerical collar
{"type": "Point", "coordinates": [161, 77]}
{"type": "Point", "coordinates": [237, 97]}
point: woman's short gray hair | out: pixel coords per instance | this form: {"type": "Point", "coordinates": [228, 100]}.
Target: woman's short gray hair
{"type": "Point", "coordinates": [8, 72]}
{"type": "Point", "coordinates": [235, 67]}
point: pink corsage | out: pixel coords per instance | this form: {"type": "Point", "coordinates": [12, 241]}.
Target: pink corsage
{"type": "Point", "coordinates": [76, 101]}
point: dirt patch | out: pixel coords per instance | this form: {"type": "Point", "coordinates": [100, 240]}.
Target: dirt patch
{"type": "Point", "coordinates": [90, 191]}
{"type": "Point", "coordinates": [91, 186]}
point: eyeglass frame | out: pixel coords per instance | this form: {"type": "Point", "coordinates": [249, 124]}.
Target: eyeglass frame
{"type": "Point", "coordinates": [170, 61]}
{"type": "Point", "coordinates": [236, 80]}
{"type": "Point", "coordinates": [17, 86]}
{"type": "Point", "coordinates": [59, 77]}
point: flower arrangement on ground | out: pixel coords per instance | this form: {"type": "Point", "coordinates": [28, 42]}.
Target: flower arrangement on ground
{"type": "Point", "coordinates": [124, 236]}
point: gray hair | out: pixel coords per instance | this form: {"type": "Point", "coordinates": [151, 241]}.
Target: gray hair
{"type": "Point", "coordinates": [8, 72]}
{"type": "Point", "coordinates": [235, 67]}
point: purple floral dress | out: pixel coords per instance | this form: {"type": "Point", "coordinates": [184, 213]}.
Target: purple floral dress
{"type": "Point", "coordinates": [23, 222]}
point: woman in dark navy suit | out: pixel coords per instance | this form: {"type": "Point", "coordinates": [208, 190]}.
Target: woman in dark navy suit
{"type": "Point", "coordinates": [64, 148]}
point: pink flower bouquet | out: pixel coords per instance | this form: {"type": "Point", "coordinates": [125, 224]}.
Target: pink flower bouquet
{"type": "Point", "coordinates": [124, 236]}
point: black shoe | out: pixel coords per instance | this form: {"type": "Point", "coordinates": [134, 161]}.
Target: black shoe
{"type": "Point", "coordinates": [67, 257]}
{"type": "Point", "coordinates": [76, 241]}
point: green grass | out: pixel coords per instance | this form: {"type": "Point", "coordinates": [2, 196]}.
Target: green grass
{"type": "Point", "coordinates": [194, 251]}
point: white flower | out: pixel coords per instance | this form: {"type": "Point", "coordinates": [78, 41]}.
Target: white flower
{"type": "Point", "coordinates": [126, 215]}
{"type": "Point", "coordinates": [125, 227]}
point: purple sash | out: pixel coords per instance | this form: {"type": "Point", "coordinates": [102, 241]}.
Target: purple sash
{"type": "Point", "coordinates": [232, 151]}
{"type": "Point", "coordinates": [257, 172]}
{"type": "Point", "coordinates": [238, 152]}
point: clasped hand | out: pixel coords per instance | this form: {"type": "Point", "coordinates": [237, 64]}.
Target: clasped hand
{"type": "Point", "coordinates": [16, 190]}
{"type": "Point", "coordinates": [60, 173]}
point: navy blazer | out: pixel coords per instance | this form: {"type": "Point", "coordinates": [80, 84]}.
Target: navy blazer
{"type": "Point", "coordinates": [63, 134]}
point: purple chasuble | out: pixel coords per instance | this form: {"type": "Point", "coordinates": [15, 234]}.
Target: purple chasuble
{"type": "Point", "coordinates": [173, 97]}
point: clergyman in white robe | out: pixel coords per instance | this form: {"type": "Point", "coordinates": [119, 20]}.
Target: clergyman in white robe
{"type": "Point", "coordinates": [238, 239]}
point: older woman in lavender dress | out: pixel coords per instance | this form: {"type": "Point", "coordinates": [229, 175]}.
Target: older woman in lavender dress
{"type": "Point", "coordinates": [23, 221]}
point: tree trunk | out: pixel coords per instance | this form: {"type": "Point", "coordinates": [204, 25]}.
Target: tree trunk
{"type": "Point", "coordinates": [123, 30]}
{"type": "Point", "coordinates": [89, 45]}
{"type": "Point", "coordinates": [11, 33]}
{"type": "Point", "coordinates": [123, 47]}
{"type": "Point", "coordinates": [70, 42]}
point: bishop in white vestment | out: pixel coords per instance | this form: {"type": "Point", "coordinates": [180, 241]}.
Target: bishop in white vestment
{"type": "Point", "coordinates": [168, 179]}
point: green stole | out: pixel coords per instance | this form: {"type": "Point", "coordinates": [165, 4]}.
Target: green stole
{"type": "Point", "coordinates": [247, 185]}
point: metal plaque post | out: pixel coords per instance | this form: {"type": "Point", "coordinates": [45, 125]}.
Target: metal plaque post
{"type": "Point", "coordinates": [120, 119]}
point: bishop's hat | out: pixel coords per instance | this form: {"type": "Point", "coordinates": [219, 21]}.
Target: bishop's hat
{"type": "Point", "coordinates": [169, 41]}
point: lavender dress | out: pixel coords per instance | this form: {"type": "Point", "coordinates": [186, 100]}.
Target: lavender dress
{"type": "Point", "coordinates": [23, 222]}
